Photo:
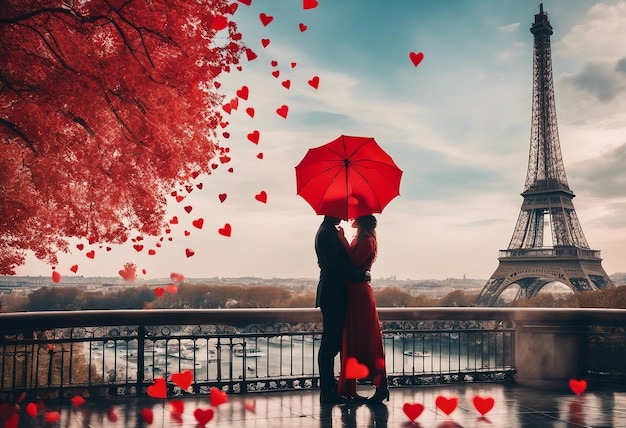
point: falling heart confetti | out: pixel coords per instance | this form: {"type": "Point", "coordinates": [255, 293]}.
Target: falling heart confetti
{"type": "Point", "coordinates": [265, 19]}
{"type": "Point", "coordinates": [250, 405]}
{"type": "Point", "coordinates": [203, 416]}
{"type": "Point", "coordinates": [198, 223]}
{"type": "Point", "coordinates": [52, 417]}
{"type": "Point", "coordinates": [171, 288]}
{"type": "Point", "coordinates": [309, 4]}
{"type": "Point", "coordinates": [243, 92]}
{"type": "Point", "coordinates": [265, 42]}
{"type": "Point", "coordinates": [74, 268]}
{"type": "Point", "coordinates": [91, 254]}
{"type": "Point", "coordinates": [188, 209]}
{"type": "Point", "coordinates": [129, 273]}
{"type": "Point", "coordinates": [578, 386]}
{"type": "Point", "coordinates": [189, 252]}
{"type": "Point", "coordinates": [355, 370]}
{"type": "Point", "coordinates": [302, 27]}
{"type": "Point", "coordinates": [31, 409]}
{"type": "Point", "coordinates": [56, 276]}
{"type": "Point", "coordinates": [293, 65]}
{"type": "Point", "coordinates": [286, 83]}
{"type": "Point", "coordinates": [158, 389]}
{"type": "Point", "coordinates": [151, 252]}
{"type": "Point", "coordinates": [159, 291]}
{"type": "Point", "coordinates": [250, 54]}
{"type": "Point", "coordinates": [261, 196]}
{"type": "Point", "coordinates": [226, 230]}
{"type": "Point", "coordinates": [314, 82]}
{"type": "Point", "coordinates": [274, 63]}
{"type": "Point", "coordinates": [446, 405]}
{"type": "Point", "coordinates": [217, 396]}
{"type": "Point", "coordinates": [138, 247]}
{"type": "Point", "coordinates": [413, 410]}
{"type": "Point", "coordinates": [246, 2]}
{"type": "Point", "coordinates": [483, 405]}
{"type": "Point", "coordinates": [77, 400]}
{"type": "Point", "coordinates": [250, 111]}
{"type": "Point", "coordinates": [219, 23]}
{"type": "Point", "coordinates": [177, 277]}
{"type": "Point", "coordinates": [174, 220]}
{"type": "Point", "coordinates": [259, 155]}
{"type": "Point", "coordinates": [183, 380]}
{"type": "Point", "coordinates": [254, 137]}
{"type": "Point", "coordinates": [276, 73]}
{"type": "Point", "coordinates": [111, 415]}
{"type": "Point", "coordinates": [416, 58]}
{"type": "Point", "coordinates": [282, 111]}
{"type": "Point", "coordinates": [222, 197]}
{"type": "Point", "coordinates": [80, 247]}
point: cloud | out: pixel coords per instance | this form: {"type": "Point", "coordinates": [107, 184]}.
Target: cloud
{"type": "Point", "coordinates": [603, 175]}
{"type": "Point", "coordinates": [603, 81]}
{"type": "Point", "coordinates": [509, 28]}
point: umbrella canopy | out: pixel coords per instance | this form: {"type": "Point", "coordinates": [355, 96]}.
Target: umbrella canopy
{"type": "Point", "coordinates": [348, 178]}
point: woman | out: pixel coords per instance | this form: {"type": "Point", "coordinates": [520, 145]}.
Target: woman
{"type": "Point", "coordinates": [362, 338]}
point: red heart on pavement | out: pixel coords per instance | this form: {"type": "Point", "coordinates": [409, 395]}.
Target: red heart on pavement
{"type": "Point", "coordinates": [413, 410]}
{"type": "Point", "coordinates": [446, 405]}
{"type": "Point", "coordinates": [578, 386]}
{"type": "Point", "coordinates": [217, 396]}
{"type": "Point", "coordinates": [355, 370]}
{"type": "Point", "coordinates": [31, 409]}
{"type": "Point", "coordinates": [203, 416]}
{"type": "Point", "coordinates": [77, 400]}
{"type": "Point", "coordinates": [483, 405]}
{"type": "Point", "coordinates": [147, 415]}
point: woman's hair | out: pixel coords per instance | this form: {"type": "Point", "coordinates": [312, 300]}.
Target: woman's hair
{"type": "Point", "coordinates": [366, 227]}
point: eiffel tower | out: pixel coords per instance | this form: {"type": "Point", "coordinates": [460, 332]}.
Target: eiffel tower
{"type": "Point", "coordinates": [527, 262]}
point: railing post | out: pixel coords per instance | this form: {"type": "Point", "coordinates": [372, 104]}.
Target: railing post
{"type": "Point", "coordinates": [549, 354]}
{"type": "Point", "coordinates": [141, 340]}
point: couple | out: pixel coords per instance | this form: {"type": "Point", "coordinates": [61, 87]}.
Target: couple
{"type": "Point", "coordinates": [350, 320]}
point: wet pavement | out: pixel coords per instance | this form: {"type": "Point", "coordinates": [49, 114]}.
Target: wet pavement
{"type": "Point", "coordinates": [513, 406]}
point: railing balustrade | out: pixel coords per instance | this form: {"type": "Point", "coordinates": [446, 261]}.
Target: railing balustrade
{"type": "Point", "coordinates": [121, 353]}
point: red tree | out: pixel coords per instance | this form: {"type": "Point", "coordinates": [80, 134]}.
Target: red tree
{"type": "Point", "coordinates": [104, 106]}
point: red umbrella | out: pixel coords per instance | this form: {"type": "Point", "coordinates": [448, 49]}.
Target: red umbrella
{"type": "Point", "coordinates": [348, 178]}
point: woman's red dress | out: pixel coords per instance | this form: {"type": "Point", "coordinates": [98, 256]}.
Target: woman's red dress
{"type": "Point", "coordinates": [362, 337]}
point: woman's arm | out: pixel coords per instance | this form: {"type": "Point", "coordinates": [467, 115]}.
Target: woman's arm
{"type": "Point", "coordinates": [361, 252]}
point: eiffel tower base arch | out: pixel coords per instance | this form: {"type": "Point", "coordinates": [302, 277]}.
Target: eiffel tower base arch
{"type": "Point", "coordinates": [579, 274]}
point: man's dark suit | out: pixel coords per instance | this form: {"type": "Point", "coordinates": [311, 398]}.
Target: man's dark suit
{"type": "Point", "coordinates": [335, 268]}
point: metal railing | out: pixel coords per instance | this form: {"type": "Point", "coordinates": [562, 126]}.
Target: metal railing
{"type": "Point", "coordinates": [122, 353]}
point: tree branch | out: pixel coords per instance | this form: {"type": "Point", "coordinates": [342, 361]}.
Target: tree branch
{"type": "Point", "coordinates": [15, 130]}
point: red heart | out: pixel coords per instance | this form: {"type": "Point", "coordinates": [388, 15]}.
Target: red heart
{"type": "Point", "coordinates": [179, 198]}
{"type": "Point", "coordinates": [158, 389]}
{"type": "Point", "coordinates": [413, 410]}
{"type": "Point", "coordinates": [261, 196]}
{"type": "Point", "coordinates": [217, 84]}
{"type": "Point", "coordinates": [171, 288]}
{"type": "Point", "coordinates": [52, 417]}
{"type": "Point", "coordinates": [198, 223]}
{"type": "Point", "coordinates": [276, 73]}
{"type": "Point", "coordinates": [309, 4]}
{"type": "Point", "coordinates": [74, 268]}
{"type": "Point", "coordinates": [250, 405]}
{"type": "Point", "coordinates": [446, 405]}
{"type": "Point", "coordinates": [80, 247]}
{"type": "Point", "coordinates": [174, 220]}
{"type": "Point", "coordinates": [147, 415]}
{"type": "Point", "coordinates": [217, 396]}
{"type": "Point", "coordinates": [416, 58]}
{"type": "Point", "coordinates": [13, 421]}
{"type": "Point", "coordinates": [111, 416]}
{"type": "Point", "coordinates": [77, 400]}
{"type": "Point", "coordinates": [226, 230]}
{"type": "Point", "coordinates": [302, 27]}
{"type": "Point", "coordinates": [159, 291]}
{"type": "Point", "coordinates": [31, 409]}
{"type": "Point", "coordinates": [177, 277]}
{"type": "Point", "coordinates": [243, 93]}
{"type": "Point", "coordinates": [234, 103]}
{"type": "Point", "coordinates": [227, 108]}
{"type": "Point", "coordinates": [286, 83]}
{"type": "Point", "coordinates": [483, 405]}
{"type": "Point", "coordinates": [222, 197]}
{"type": "Point", "coordinates": [203, 416]}
{"type": "Point", "coordinates": [250, 111]}
{"type": "Point", "coordinates": [144, 271]}
{"type": "Point", "coordinates": [254, 136]}
{"type": "Point", "coordinates": [129, 273]}
{"type": "Point", "coordinates": [183, 379]}
{"type": "Point", "coordinates": [246, 2]}
{"type": "Point", "coordinates": [233, 8]}
{"type": "Point", "coordinates": [274, 63]}
{"type": "Point", "coordinates": [265, 19]}
{"type": "Point", "coordinates": [199, 186]}
{"type": "Point", "coordinates": [578, 386]}
{"type": "Point", "coordinates": [91, 254]}
{"type": "Point", "coordinates": [282, 111]}
{"type": "Point", "coordinates": [265, 42]}
{"type": "Point", "coordinates": [189, 252]}
{"type": "Point", "coordinates": [151, 252]}
{"type": "Point", "coordinates": [219, 22]}
{"type": "Point", "coordinates": [250, 54]}
{"type": "Point", "coordinates": [293, 65]}
{"type": "Point", "coordinates": [138, 247]}
{"type": "Point", "coordinates": [56, 276]}
{"type": "Point", "coordinates": [355, 370]}
{"type": "Point", "coordinates": [314, 82]}
{"type": "Point", "coordinates": [231, 170]}
{"type": "Point", "coordinates": [260, 155]}
{"type": "Point", "coordinates": [188, 208]}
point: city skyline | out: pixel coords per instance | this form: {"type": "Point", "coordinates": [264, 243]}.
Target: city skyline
{"type": "Point", "coordinates": [457, 123]}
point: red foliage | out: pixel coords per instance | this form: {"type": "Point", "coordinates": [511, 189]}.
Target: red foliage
{"type": "Point", "coordinates": [104, 106]}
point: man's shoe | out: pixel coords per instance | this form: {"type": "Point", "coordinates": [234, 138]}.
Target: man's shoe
{"type": "Point", "coordinates": [328, 398]}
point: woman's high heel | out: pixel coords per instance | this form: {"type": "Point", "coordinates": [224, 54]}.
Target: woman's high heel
{"type": "Point", "coordinates": [379, 396]}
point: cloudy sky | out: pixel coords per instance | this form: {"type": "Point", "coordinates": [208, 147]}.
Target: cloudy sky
{"type": "Point", "coordinates": [458, 125]}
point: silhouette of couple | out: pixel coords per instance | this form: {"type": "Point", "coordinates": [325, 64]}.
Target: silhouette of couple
{"type": "Point", "coordinates": [350, 320]}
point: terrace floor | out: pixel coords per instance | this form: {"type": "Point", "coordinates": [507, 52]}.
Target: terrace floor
{"type": "Point", "coordinates": [515, 406]}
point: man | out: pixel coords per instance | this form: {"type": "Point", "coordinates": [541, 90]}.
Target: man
{"type": "Point", "coordinates": [335, 268]}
